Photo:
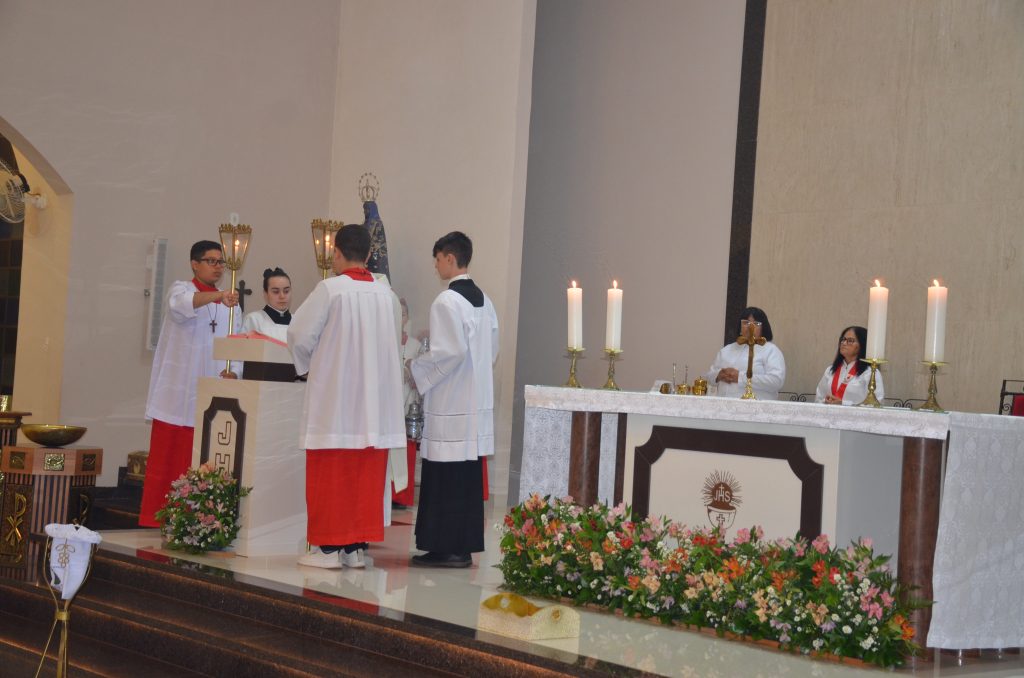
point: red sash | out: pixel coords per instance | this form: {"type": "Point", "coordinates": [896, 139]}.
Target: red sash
{"type": "Point", "coordinates": [839, 389]}
{"type": "Point", "coordinates": [358, 274]}
{"type": "Point", "coordinates": [203, 287]}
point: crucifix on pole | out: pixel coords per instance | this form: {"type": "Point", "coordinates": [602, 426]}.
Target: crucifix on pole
{"type": "Point", "coordinates": [750, 342]}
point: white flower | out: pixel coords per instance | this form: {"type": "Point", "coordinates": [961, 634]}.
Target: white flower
{"type": "Point", "coordinates": [818, 642]}
{"type": "Point", "coordinates": [857, 618]}
{"type": "Point", "coordinates": [835, 617]}
{"type": "Point", "coordinates": [867, 643]}
{"type": "Point", "coordinates": [847, 630]}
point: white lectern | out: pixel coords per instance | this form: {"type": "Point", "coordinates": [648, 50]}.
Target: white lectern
{"type": "Point", "coordinates": [251, 427]}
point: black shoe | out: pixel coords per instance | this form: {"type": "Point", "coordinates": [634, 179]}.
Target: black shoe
{"type": "Point", "coordinates": [431, 559]}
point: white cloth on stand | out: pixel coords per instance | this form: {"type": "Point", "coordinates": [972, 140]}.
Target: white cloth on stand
{"type": "Point", "coordinates": [70, 554]}
{"type": "Point", "coordinates": [978, 578]}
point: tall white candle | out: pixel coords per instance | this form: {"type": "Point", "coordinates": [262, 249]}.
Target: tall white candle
{"type": "Point", "coordinates": [878, 309]}
{"type": "Point", "coordinates": [613, 328]}
{"type": "Point", "coordinates": [575, 296]}
{"type": "Point", "coordinates": [935, 326]}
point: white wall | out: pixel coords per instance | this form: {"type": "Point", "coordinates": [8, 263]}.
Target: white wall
{"type": "Point", "coordinates": [632, 144]}
{"type": "Point", "coordinates": [433, 97]}
{"type": "Point", "coordinates": [162, 119]}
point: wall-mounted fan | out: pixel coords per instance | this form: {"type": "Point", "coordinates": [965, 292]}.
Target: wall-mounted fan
{"type": "Point", "coordinates": [13, 189]}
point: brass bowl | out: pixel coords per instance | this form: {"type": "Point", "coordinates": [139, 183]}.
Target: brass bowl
{"type": "Point", "coordinates": [52, 435]}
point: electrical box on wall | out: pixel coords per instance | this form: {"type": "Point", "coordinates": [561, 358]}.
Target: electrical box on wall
{"type": "Point", "coordinates": [156, 262]}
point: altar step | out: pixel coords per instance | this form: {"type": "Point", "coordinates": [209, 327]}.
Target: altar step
{"type": "Point", "coordinates": [117, 508]}
{"type": "Point", "coordinates": [199, 623]}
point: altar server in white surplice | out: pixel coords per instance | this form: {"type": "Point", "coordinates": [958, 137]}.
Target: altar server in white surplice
{"type": "Point", "coordinates": [195, 314]}
{"type": "Point", "coordinates": [456, 379]}
{"type": "Point", "coordinates": [846, 380]}
{"type": "Point", "coordinates": [729, 370]}
{"type": "Point", "coordinates": [273, 319]}
{"type": "Point", "coordinates": [346, 336]}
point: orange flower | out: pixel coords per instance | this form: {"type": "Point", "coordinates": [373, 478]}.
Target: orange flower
{"type": "Point", "coordinates": [634, 582]}
{"type": "Point", "coordinates": [732, 570]}
{"type": "Point", "coordinates": [608, 546]}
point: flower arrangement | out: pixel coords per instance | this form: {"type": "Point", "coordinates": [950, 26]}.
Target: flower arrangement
{"type": "Point", "coordinates": [201, 513]}
{"type": "Point", "coordinates": [808, 597]}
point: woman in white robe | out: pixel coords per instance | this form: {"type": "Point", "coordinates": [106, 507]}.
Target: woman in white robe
{"type": "Point", "coordinates": [729, 369]}
{"type": "Point", "coordinates": [845, 381]}
{"type": "Point", "coordinates": [273, 319]}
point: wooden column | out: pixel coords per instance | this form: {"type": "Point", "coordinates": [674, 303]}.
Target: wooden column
{"type": "Point", "coordinates": [919, 525]}
{"type": "Point", "coordinates": [584, 457]}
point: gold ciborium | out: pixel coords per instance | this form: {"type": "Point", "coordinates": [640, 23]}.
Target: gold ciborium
{"type": "Point", "coordinates": [700, 386]}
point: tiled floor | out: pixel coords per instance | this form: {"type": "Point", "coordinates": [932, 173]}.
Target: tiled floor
{"type": "Point", "coordinates": [392, 587]}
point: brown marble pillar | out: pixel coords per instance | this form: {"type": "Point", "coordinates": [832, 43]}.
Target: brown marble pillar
{"type": "Point", "coordinates": [919, 525]}
{"type": "Point", "coordinates": [584, 456]}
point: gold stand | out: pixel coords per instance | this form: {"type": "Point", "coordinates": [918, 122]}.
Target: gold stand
{"type": "Point", "coordinates": [613, 355]}
{"type": "Point", "coordinates": [748, 393]}
{"type": "Point", "coordinates": [574, 354]}
{"type": "Point", "coordinates": [870, 400]}
{"type": "Point", "coordinates": [234, 242]}
{"type": "Point", "coordinates": [931, 405]}
{"type": "Point", "coordinates": [62, 615]}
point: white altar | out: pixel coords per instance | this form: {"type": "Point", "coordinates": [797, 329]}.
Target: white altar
{"type": "Point", "coordinates": [251, 427]}
{"type": "Point", "coordinates": [883, 472]}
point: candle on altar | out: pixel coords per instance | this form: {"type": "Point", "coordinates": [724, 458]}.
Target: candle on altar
{"type": "Point", "coordinates": [613, 328]}
{"type": "Point", "coordinates": [878, 308]}
{"type": "Point", "coordinates": [575, 298]}
{"type": "Point", "coordinates": [935, 326]}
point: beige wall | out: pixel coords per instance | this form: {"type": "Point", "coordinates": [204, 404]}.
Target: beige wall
{"type": "Point", "coordinates": [162, 119]}
{"type": "Point", "coordinates": [44, 287]}
{"type": "Point", "coordinates": [891, 145]}
{"type": "Point", "coordinates": [632, 146]}
{"type": "Point", "coordinates": [434, 98]}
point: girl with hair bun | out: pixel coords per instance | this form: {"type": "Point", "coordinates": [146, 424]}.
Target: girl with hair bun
{"type": "Point", "coordinates": [274, 318]}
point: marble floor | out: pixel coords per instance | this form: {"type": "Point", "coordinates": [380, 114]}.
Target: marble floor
{"type": "Point", "coordinates": [391, 588]}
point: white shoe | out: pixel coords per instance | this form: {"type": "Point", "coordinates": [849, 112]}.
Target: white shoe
{"type": "Point", "coordinates": [354, 559]}
{"type": "Point", "coordinates": [317, 558]}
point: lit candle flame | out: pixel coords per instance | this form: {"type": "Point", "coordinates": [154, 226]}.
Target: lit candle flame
{"type": "Point", "coordinates": [936, 283]}
{"type": "Point", "coordinates": [878, 283]}
{"type": "Point", "coordinates": [574, 283]}
{"type": "Point", "coordinates": [615, 284]}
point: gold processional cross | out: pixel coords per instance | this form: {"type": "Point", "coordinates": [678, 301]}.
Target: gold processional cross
{"type": "Point", "coordinates": [750, 341]}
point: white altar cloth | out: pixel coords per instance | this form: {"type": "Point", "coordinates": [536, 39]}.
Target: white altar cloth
{"type": "Point", "coordinates": [979, 555]}
{"type": "Point", "coordinates": [978, 576]}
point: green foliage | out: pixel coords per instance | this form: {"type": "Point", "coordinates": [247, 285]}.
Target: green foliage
{"type": "Point", "coordinates": [809, 597]}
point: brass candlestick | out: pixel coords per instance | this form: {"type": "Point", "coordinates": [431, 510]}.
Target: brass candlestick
{"type": "Point", "coordinates": [574, 354]}
{"type": "Point", "coordinates": [613, 355]}
{"type": "Point", "coordinates": [931, 405]}
{"type": "Point", "coordinates": [324, 233]}
{"type": "Point", "coordinates": [870, 400]}
{"type": "Point", "coordinates": [234, 241]}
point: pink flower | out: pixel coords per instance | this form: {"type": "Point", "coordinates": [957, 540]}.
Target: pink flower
{"type": "Point", "coordinates": [742, 536]}
{"type": "Point", "coordinates": [820, 544]}
{"type": "Point", "coordinates": [866, 542]}
{"type": "Point", "coordinates": [887, 599]}
{"type": "Point", "coordinates": [758, 532]}
{"type": "Point", "coordinates": [596, 561]}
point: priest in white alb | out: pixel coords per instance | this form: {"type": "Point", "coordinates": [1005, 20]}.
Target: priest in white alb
{"type": "Point", "coordinates": [195, 314]}
{"type": "Point", "coordinates": [346, 336]}
{"type": "Point", "coordinates": [456, 379]}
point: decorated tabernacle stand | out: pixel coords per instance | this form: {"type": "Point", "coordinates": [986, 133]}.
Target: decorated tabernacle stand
{"type": "Point", "coordinates": [250, 427]}
{"type": "Point", "coordinates": [809, 468]}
